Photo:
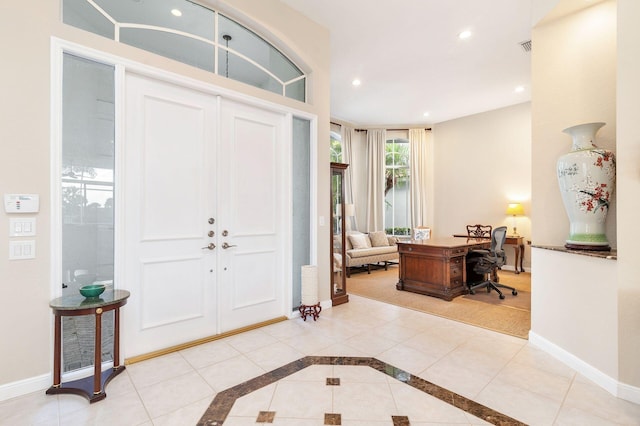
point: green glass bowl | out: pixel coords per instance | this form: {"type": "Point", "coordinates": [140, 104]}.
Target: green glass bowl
{"type": "Point", "coordinates": [92, 290]}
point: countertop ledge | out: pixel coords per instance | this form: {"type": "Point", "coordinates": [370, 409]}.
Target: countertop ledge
{"type": "Point", "coordinates": [609, 254]}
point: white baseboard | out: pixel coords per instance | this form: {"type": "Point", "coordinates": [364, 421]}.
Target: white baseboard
{"type": "Point", "coordinates": [23, 387]}
{"type": "Point", "coordinates": [611, 385]}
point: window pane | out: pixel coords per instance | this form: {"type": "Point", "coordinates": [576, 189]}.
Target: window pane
{"type": "Point", "coordinates": [336, 147]}
{"type": "Point", "coordinates": [397, 218]}
{"type": "Point", "coordinates": [188, 50]}
{"type": "Point", "coordinates": [249, 44]}
{"type": "Point", "coordinates": [88, 162]}
{"type": "Point", "coordinates": [194, 19]}
{"type": "Point", "coordinates": [301, 192]}
{"type": "Point", "coordinates": [296, 90]}
{"type": "Point", "coordinates": [234, 67]}
{"type": "Point", "coordinates": [81, 14]}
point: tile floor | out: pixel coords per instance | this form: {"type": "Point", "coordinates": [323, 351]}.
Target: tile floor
{"type": "Point", "coordinates": [501, 373]}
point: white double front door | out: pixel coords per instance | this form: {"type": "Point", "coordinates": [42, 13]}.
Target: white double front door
{"type": "Point", "coordinates": [205, 189]}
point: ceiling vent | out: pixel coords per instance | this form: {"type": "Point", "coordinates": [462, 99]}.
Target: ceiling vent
{"type": "Point", "coordinates": [526, 45]}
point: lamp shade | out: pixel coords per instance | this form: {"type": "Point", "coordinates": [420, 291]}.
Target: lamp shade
{"type": "Point", "coordinates": [515, 209]}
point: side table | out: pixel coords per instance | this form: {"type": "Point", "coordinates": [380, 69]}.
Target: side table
{"type": "Point", "coordinates": [517, 242]}
{"type": "Point", "coordinates": [91, 387]}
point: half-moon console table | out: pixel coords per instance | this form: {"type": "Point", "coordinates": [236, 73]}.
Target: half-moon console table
{"type": "Point", "coordinates": [91, 387]}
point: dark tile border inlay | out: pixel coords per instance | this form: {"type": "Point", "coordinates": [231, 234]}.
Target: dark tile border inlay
{"type": "Point", "coordinates": [266, 417]}
{"type": "Point", "coordinates": [400, 421]}
{"type": "Point", "coordinates": [333, 419]}
{"type": "Point", "coordinates": [223, 401]}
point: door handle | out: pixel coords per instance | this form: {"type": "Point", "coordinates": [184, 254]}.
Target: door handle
{"type": "Point", "coordinates": [210, 246]}
{"type": "Point", "coordinates": [226, 246]}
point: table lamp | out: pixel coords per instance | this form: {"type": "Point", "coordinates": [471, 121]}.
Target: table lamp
{"type": "Point", "coordinates": [515, 209]}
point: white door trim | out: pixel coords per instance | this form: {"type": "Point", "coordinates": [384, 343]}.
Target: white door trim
{"type": "Point", "coordinates": [122, 66]}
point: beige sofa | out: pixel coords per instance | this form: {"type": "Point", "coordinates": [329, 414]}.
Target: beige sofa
{"type": "Point", "coordinates": [365, 250]}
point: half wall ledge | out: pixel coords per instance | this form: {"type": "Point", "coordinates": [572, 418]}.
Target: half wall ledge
{"type": "Point", "coordinates": [608, 254]}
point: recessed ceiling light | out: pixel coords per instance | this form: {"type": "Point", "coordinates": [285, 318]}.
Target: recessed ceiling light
{"type": "Point", "coordinates": [356, 82]}
{"type": "Point", "coordinates": [465, 34]}
{"type": "Point", "coordinates": [426, 114]}
{"type": "Point", "coordinates": [176, 12]}
{"type": "Point", "coordinates": [519, 89]}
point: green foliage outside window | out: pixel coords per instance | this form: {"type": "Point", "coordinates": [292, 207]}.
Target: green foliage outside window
{"type": "Point", "coordinates": [397, 231]}
{"type": "Point", "coordinates": [397, 164]}
{"type": "Point", "coordinates": [336, 150]}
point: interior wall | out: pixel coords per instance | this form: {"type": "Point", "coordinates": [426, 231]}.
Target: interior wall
{"type": "Point", "coordinates": [483, 162]}
{"type": "Point", "coordinates": [628, 178]}
{"type": "Point", "coordinates": [26, 29]}
{"type": "Point", "coordinates": [569, 89]}
{"type": "Point", "coordinates": [585, 67]}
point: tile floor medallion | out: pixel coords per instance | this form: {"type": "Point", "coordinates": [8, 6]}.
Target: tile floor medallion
{"type": "Point", "coordinates": [223, 402]}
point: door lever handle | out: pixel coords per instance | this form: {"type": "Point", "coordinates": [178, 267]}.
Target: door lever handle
{"type": "Point", "coordinates": [210, 246]}
{"type": "Point", "coordinates": [225, 245]}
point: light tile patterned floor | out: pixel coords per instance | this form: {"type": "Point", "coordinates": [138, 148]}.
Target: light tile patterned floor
{"type": "Point", "coordinates": [501, 372]}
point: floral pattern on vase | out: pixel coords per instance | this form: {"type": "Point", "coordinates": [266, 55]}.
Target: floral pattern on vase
{"type": "Point", "coordinates": [586, 176]}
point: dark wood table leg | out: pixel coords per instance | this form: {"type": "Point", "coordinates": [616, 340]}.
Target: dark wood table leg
{"type": "Point", "coordinates": [521, 257]}
{"type": "Point", "coordinates": [516, 249]}
{"type": "Point", "coordinates": [97, 367]}
{"type": "Point", "coordinates": [57, 354]}
{"type": "Point", "coordinates": [116, 339]}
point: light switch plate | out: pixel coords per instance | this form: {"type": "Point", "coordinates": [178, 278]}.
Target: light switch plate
{"type": "Point", "coordinates": [24, 249]}
{"type": "Point", "coordinates": [22, 227]}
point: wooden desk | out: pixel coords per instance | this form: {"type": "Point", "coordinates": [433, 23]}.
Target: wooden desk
{"type": "Point", "coordinates": [90, 387]}
{"type": "Point", "coordinates": [436, 267]}
{"type": "Point", "coordinates": [517, 242]}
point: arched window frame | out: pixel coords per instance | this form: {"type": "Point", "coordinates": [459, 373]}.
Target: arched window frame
{"type": "Point", "coordinates": [217, 44]}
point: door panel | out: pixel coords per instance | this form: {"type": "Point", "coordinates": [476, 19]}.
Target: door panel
{"type": "Point", "coordinates": [173, 168]}
{"type": "Point", "coordinates": [182, 291]}
{"type": "Point", "coordinates": [252, 280]}
{"type": "Point", "coordinates": [159, 289]}
{"type": "Point", "coordinates": [168, 152]}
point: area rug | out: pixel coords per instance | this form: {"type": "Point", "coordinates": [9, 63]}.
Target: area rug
{"type": "Point", "coordinates": [511, 315]}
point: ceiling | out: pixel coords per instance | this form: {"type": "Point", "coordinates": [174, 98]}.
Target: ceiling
{"type": "Point", "coordinates": [410, 60]}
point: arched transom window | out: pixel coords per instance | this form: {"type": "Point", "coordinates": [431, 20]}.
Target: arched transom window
{"type": "Point", "coordinates": [192, 34]}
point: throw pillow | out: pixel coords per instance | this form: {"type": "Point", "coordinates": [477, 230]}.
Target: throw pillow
{"type": "Point", "coordinates": [378, 239]}
{"type": "Point", "coordinates": [359, 241]}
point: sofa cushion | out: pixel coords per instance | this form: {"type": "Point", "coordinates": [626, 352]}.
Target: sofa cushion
{"type": "Point", "coordinates": [373, 251]}
{"type": "Point", "coordinates": [378, 239]}
{"type": "Point", "coordinates": [359, 241]}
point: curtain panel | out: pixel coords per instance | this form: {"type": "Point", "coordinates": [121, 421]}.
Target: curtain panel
{"type": "Point", "coordinates": [418, 166]}
{"type": "Point", "coordinates": [348, 134]}
{"type": "Point", "coordinates": [376, 140]}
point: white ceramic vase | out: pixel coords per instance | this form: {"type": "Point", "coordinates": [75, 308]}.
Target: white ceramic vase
{"type": "Point", "coordinates": [586, 176]}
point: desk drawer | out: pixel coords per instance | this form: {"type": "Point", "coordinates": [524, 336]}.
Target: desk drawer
{"type": "Point", "coordinates": [455, 268]}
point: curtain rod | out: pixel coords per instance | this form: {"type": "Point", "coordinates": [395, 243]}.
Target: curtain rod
{"type": "Point", "coordinates": [364, 130]}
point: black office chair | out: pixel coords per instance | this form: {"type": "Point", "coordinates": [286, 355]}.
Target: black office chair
{"type": "Point", "coordinates": [486, 262]}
